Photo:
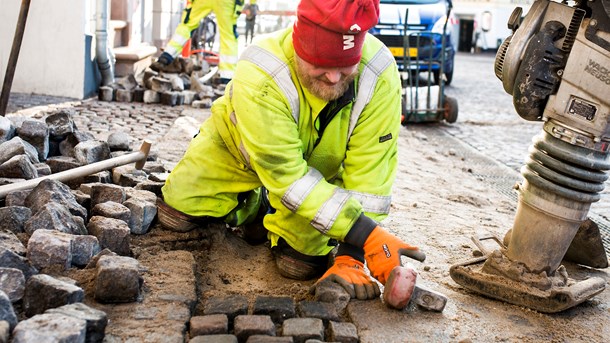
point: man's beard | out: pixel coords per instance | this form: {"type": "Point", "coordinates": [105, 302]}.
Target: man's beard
{"type": "Point", "coordinates": [320, 88]}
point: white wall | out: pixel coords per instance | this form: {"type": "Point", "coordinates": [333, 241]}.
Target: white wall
{"type": "Point", "coordinates": [500, 12]}
{"type": "Point", "coordinates": [165, 17]}
{"type": "Point", "coordinates": [54, 55]}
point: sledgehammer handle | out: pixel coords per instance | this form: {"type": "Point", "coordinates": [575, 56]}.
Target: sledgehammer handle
{"type": "Point", "coordinates": [139, 157]}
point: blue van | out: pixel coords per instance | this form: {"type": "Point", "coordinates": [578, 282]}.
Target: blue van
{"type": "Point", "coordinates": [427, 25]}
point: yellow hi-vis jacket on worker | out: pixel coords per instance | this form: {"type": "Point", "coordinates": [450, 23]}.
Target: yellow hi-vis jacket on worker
{"type": "Point", "coordinates": [227, 12]}
{"type": "Point", "coordinates": [265, 132]}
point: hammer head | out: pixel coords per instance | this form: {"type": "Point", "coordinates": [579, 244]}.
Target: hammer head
{"type": "Point", "coordinates": [399, 287]}
{"type": "Point", "coordinates": [144, 150]}
{"type": "Point", "coordinates": [401, 290]}
{"type": "Point", "coordinates": [428, 299]}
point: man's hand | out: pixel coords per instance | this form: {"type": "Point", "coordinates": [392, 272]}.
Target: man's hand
{"type": "Point", "coordinates": [350, 274]}
{"type": "Point", "coordinates": [382, 252]}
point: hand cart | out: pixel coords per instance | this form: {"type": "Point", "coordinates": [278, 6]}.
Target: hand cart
{"type": "Point", "coordinates": [424, 99]}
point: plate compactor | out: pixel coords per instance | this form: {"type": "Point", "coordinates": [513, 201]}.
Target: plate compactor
{"type": "Point", "coordinates": [556, 65]}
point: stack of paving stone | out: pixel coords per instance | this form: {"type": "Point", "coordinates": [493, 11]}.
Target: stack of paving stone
{"type": "Point", "coordinates": [54, 227]}
{"type": "Point", "coordinates": [273, 319]}
{"type": "Point", "coordinates": [180, 86]}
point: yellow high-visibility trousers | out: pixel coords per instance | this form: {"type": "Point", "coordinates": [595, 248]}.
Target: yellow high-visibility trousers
{"type": "Point", "coordinates": [226, 12]}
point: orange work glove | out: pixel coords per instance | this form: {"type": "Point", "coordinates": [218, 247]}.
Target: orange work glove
{"type": "Point", "coordinates": [350, 274]}
{"type": "Point", "coordinates": [382, 251]}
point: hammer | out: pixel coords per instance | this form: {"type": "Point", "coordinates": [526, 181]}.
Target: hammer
{"type": "Point", "coordinates": [139, 157]}
{"type": "Point", "coordinates": [401, 289]}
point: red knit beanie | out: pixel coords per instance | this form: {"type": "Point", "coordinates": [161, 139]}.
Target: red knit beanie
{"type": "Point", "coordinates": [330, 33]}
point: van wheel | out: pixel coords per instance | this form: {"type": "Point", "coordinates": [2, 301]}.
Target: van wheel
{"type": "Point", "coordinates": [448, 78]}
{"type": "Point", "coordinates": [451, 109]}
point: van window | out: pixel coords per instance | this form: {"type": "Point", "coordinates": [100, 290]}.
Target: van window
{"type": "Point", "coordinates": [418, 35]}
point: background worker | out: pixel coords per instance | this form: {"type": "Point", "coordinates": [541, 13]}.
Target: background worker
{"type": "Point", "coordinates": [313, 115]}
{"type": "Point", "coordinates": [227, 12]}
{"type": "Point", "coordinates": [251, 11]}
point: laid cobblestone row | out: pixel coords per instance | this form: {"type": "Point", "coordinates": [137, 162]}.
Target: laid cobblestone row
{"type": "Point", "coordinates": [98, 119]}
{"type": "Point", "coordinates": [273, 319]}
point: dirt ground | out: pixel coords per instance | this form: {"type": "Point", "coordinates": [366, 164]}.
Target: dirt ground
{"type": "Point", "coordinates": [442, 197]}
{"type": "Point", "coordinates": [439, 202]}
{"type": "Point", "coordinates": [446, 191]}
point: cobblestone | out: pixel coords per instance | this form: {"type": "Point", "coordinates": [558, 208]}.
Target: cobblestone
{"type": "Point", "coordinates": [302, 329]}
{"type": "Point", "coordinates": [209, 325]}
{"type": "Point", "coordinates": [232, 306]}
{"type": "Point", "coordinates": [249, 325]}
{"type": "Point", "coordinates": [342, 332]}
{"type": "Point", "coordinates": [315, 309]}
{"type": "Point", "coordinates": [279, 308]}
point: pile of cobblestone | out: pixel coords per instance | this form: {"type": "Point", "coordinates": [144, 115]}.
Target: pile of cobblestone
{"type": "Point", "coordinates": [84, 224]}
{"type": "Point", "coordinates": [179, 86]}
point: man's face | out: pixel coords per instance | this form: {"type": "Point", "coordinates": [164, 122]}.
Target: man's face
{"type": "Point", "coordinates": [325, 83]}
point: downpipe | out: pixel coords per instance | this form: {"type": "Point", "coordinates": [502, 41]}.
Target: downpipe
{"type": "Point", "coordinates": [103, 55]}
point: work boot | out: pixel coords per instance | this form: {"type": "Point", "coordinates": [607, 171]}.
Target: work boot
{"type": "Point", "coordinates": [294, 265]}
{"type": "Point", "coordinates": [254, 233]}
{"type": "Point", "coordinates": [174, 220]}
{"type": "Point", "coordinates": [162, 62]}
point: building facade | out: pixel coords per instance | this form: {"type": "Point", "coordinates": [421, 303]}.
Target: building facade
{"type": "Point", "coordinates": [58, 51]}
{"type": "Point", "coordinates": [482, 24]}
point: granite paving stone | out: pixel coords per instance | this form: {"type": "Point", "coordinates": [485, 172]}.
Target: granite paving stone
{"type": "Point", "coordinates": [248, 325]}
{"type": "Point", "coordinates": [302, 329]}
{"type": "Point", "coordinates": [342, 332]}
{"type": "Point", "coordinates": [209, 325]}
{"type": "Point", "coordinates": [278, 308]}
{"type": "Point", "coordinates": [232, 306]}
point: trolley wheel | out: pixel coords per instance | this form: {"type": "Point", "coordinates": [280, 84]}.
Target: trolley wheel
{"type": "Point", "coordinates": [451, 109]}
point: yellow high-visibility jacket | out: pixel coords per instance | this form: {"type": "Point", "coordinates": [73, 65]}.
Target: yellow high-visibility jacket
{"type": "Point", "coordinates": [265, 131]}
